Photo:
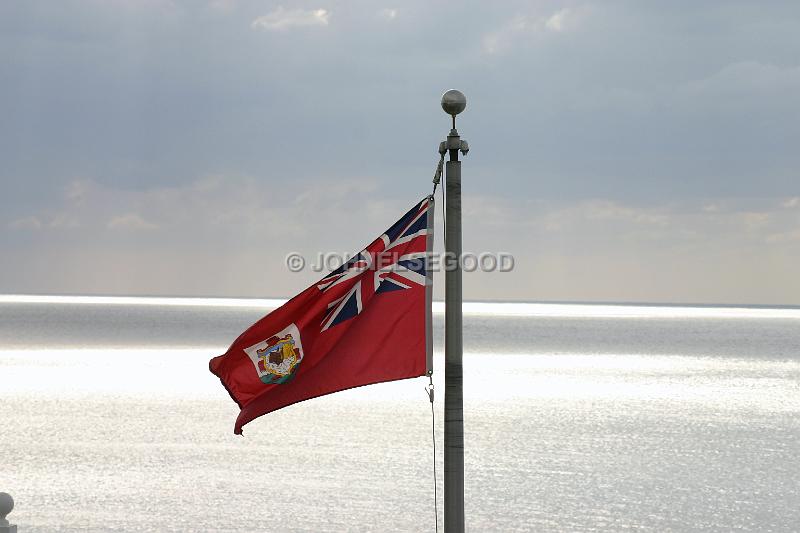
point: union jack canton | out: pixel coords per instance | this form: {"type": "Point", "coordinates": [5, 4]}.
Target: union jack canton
{"type": "Point", "coordinates": [395, 261]}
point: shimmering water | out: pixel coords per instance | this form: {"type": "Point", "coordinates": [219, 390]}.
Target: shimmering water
{"type": "Point", "coordinates": [578, 418]}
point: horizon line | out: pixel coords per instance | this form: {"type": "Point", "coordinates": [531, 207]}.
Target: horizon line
{"type": "Point", "coordinates": [497, 308]}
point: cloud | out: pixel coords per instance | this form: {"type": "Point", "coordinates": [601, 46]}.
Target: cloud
{"type": "Point", "coordinates": [597, 216]}
{"type": "Point", "coordinates": [221, 207]}
{"type": "Point", "coordinates": [604, 249]}
{"type": "Point", "coordinates": [224, 6]}
{"type": "Point", "coordinates": [527, 25]}
{"type": "Point", "coordinates": [25, 223]}
{"type": "Point", "coordinates": [714, 223]}
{"type": "Point", "coordinates": [77, 190]}
{"type": "Point", "coordinates": [64, 221]}
{"type": "Point", "coordinates": [785, 237]}
{"type": "Point", "coordinates": [614, 128]}
{"type": "Point", "coordinates": [601, 248]}
{"type": "Point", "coordinates": [609, 210]}
{"type": "Point", "coordinates": [791, 203]}
{"type": "Point", "coordinates": [557, 20]}
{"type": "Point", "coordinates": [745, 86]}
{"type": "Point", "coordinates": [388, 13]}
{"type": "Point", "coordinates": [60, 220]}
{"type": "Point", "coordinates": [130, 221]}
{"type": "Point", "coordinates": [283, 19]}
{"type": "Point", "coordinates": [749, 77]}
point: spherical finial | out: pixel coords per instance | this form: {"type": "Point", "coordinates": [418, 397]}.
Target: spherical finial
{"type": "Point", "coordinates": [453, 102]}
{"type": "Point", "coordinates": [6, 505]}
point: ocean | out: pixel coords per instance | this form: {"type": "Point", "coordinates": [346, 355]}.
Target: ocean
{"type": "Point", "coordinates": [577, 418]}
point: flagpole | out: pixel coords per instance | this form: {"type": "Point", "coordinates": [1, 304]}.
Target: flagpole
{"type": "Point", "coordinates": [453, 103]}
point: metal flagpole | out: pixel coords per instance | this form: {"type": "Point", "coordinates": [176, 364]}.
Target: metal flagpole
{"type": "Point", "coordinates": [453, 103]}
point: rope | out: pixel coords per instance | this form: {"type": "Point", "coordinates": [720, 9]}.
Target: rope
{"type": "Point", "coordinates": [437, 175]}
{"type": "Point", "coordinates": [429, 391]}
{"type": "Point", "coordinates": [444, 217]}
{"type": "Point", "coordinates": [437, 178]}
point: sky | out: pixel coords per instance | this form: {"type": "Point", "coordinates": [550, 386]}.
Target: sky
{"type": "Point", "coordinates": [620, 150]}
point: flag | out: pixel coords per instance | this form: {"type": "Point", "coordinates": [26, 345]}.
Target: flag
{"type": "Point", "coordinates": [368, 321]}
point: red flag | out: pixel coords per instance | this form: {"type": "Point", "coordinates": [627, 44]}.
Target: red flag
{"type": "Point", "coordinates": [368, 321]}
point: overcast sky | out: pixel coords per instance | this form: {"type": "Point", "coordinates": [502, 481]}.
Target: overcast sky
{"type": "Point", "coordinates": [621, 150]}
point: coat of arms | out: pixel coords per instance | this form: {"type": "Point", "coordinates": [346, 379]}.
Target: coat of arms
{"type": "Point", "coordinates": [277, 358]}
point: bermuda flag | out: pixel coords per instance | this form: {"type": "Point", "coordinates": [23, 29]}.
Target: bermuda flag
{"type": "Point", "coordinates": [368, 321]}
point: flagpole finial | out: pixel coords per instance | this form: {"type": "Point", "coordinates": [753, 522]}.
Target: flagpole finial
{"type": "Point", "coordinates": [454, 102]}
{"type": "Point", "coordinates": [6, 506]}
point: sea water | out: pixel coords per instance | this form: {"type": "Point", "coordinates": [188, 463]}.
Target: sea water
{"type": "Point", "coordinates": [577, 418]}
